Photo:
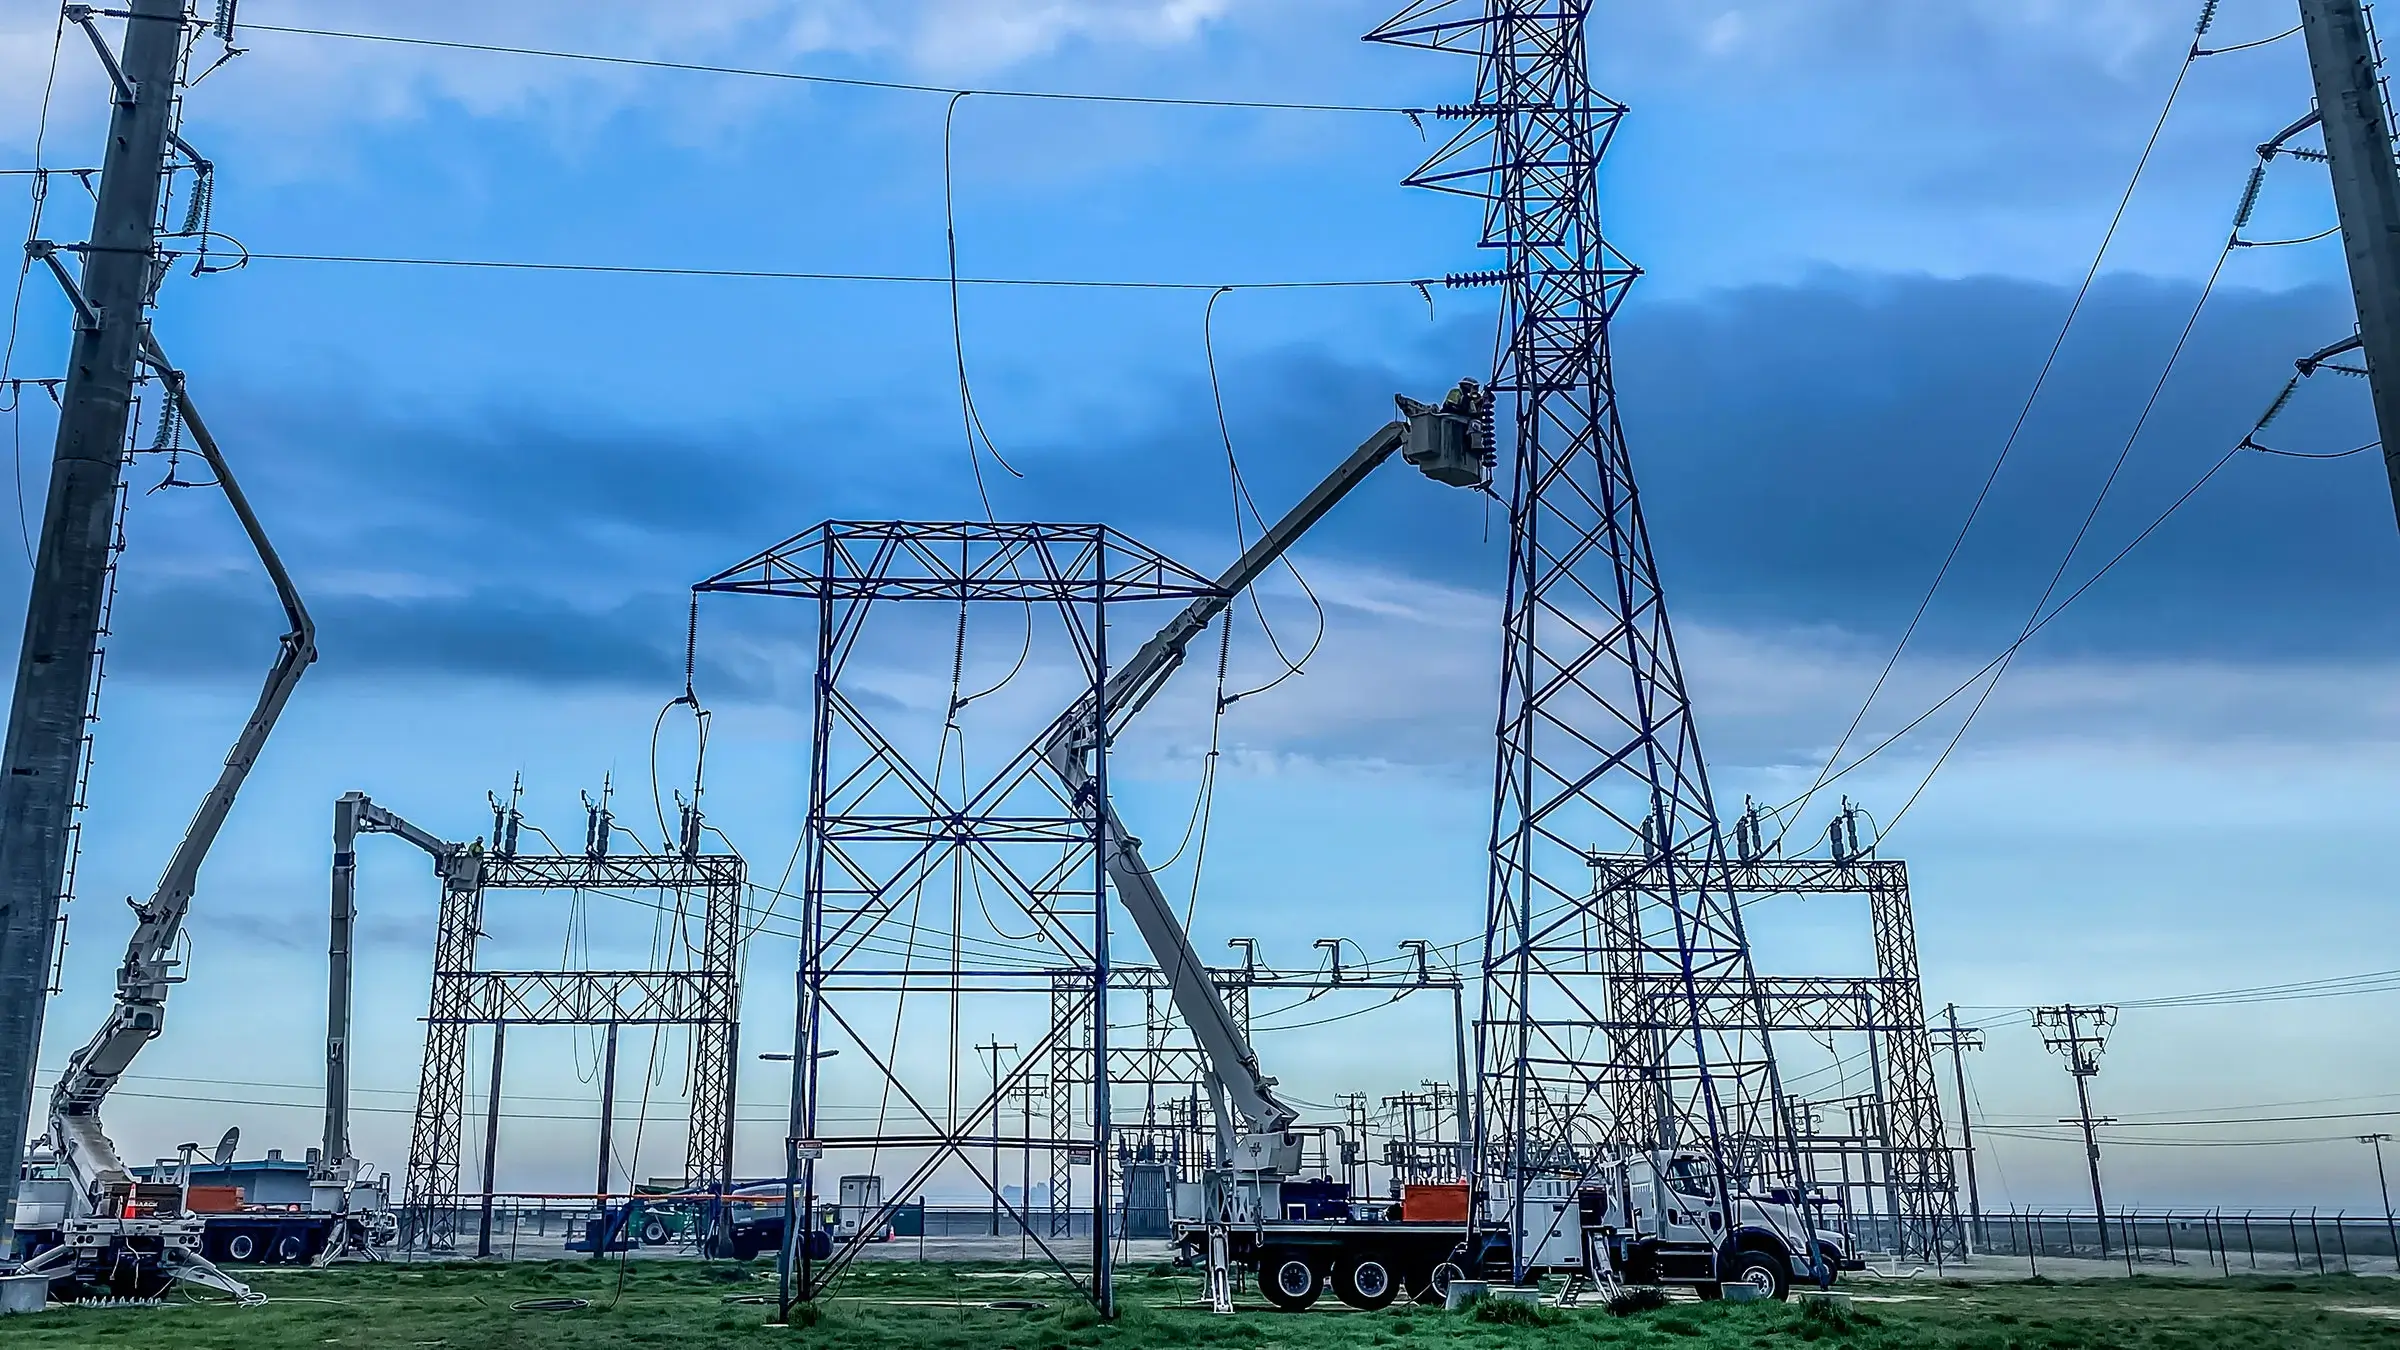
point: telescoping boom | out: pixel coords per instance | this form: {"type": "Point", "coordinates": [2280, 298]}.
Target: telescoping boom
{"type": "Point", "coordinates": [1449, 442]}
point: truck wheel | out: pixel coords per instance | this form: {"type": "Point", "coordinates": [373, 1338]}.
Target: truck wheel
{"type": "Point", "coordinates": [1760, 1271]}
{"type": "Point", "coordinates": [290, 1250]}
{"type": "Point", "coordinates": [1365, 1282]}
{"type": "Point", "coordinates": [654, 1232]}
{"type": "Point", "coordinates": [1290, 1281]}
{"type": "Point", "coordinates": [1833, 1263]}
{"type": "Point", "coordinates": [1432, 1284]}
{"type": "Point", "coordinates": [240, 1247]}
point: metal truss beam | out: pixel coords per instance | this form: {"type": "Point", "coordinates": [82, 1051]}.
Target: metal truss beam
{"type": "Point", "coordinates": [924, 883]}
{"type": "Point", "coordinates": [705, 998]}
{"type": "Point", "coordinates": [1888, 1007]}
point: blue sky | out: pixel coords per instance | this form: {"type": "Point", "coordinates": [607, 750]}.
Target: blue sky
{"type": "Point", "coordinates": [1860, 223]}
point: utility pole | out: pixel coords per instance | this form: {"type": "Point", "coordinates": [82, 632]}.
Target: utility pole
{"type": "Point", "coordinates": [1957, 1040]}
{"type": "Point", "coordinates": [993, 1048]}
{"type": "Point", "coordinates": [2366, 195]}
{"type": "Point", "coordinates": [62, 612]}
{"type": "Point", "coordinates": [2390, 1229]}
{"type": "Point", "coordinates": [2081, 1034]}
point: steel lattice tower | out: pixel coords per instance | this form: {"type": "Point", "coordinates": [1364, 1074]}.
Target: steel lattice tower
{"type": "Point", "coordinates": [1596, 742]}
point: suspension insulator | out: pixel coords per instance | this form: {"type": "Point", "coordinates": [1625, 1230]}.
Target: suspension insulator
{"type": "Point", "coordinates": [1462, 280]}
{"type": "Point", "coordinates": [2275, 409]}
{"type": "Point", "coordinates": [2258, 180]}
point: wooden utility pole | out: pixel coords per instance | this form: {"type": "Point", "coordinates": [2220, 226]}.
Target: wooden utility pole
{"type": "Point", "coordinates": [62, 613]}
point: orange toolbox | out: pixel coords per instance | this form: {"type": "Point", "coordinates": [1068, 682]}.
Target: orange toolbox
{"type": "Point", "coordinates": [1445, 1202]}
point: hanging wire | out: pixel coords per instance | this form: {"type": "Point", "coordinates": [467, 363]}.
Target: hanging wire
{"type": "Point", "coordinates": [16, 306]}
{"type": "Point", "coordinates": [1242, 500]}
{"type": "Point", "coordinates": [979, 440]}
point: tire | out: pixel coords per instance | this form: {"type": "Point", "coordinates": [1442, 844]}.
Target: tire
{"type": "Point", "coordinates": [1771, 1277]}
{"type": "Point", "coordinates": [1289, 1280]}
{"type": "Point", "coordinates": [1833, 1263]}
{"type": "Point", "coordinates": [654, 1232]}
{"type": "Point", "coordinates": [291, 1250]}
{"type": "Point", "coordinates": [1431, 1285]}
{"type": "Point", "coordinates": [1366, 1282]}
{"type": "Point", "coordinates": [241, 1247]}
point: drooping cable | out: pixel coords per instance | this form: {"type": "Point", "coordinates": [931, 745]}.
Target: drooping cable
{"type": "Point", "coordinates": [979, 441]}
{"type": "Point", "coordinates": [1242, 501]}
{"type": "Point", "coordinates": [2016, 429]}
{"type": "Point", "coordinates": [16, 307]}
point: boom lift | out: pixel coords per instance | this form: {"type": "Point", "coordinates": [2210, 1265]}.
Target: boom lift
{"type": "Point", "coordinates": [1645, 1217]}
{"type": "Point", "coordinates": [1256, 1143]}
{"type": "Point", "coordinates": [131, 1236]}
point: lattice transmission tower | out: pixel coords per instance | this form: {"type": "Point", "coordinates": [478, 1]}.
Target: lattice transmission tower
{"type": "Point", "coordinates": [1597, 746]}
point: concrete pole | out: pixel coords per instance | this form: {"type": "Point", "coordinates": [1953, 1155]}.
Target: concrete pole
{"type": "Point", "coordinates": [341, 922]}
{"type": "Point", "coordinates": [2366, 194]}
{"type": "Point", "coordinates": [608, 1122]}
{"type": "Point", "coordinates": [1458, 1036]}
{"type": "Point", "coordinates": [62, 613]}
{"type": "Point", "coordinates": [491, 1140]}
{"type": "Point", "coordinates": [1966, 1125]}
{"type": "Point", "coordinates": [1104, 1286]}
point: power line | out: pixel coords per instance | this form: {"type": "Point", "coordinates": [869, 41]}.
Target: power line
{"type": "Point", "coordinates": [2082, 532]}
{"type": "Point", "coordinates": [2016, 429]}
{"type": "Point", "coordinates": [2116, 1141]}
{"type": "Point", "coordinates": [841, 81]}
{"type": "Point", "coordinates": [903, 278]}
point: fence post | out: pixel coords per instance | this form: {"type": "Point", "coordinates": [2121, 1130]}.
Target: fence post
{"type": "Point", "coordinates": [2172, 1258]}
{"type": "Point", "coordinates": [2316, 1239]}
{"type": "Point", "coordinates": [2033, 1223]}
{"type": "Point", "coordinates": [2341, 1233]}
{"type": "Point", "coordinates": [2125, 1231]}
{"type": "Point", "coordinates": [2247, 1245]}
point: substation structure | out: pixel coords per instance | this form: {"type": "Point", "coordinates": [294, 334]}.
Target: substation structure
{"type": "Point", "coordinates": [705, 997]}
{"type": "Point", "coordinates": [1882, 1152]}
{"type": "Point", "coordinates": [1170, 1141]}
{"type": "Point", "coordinates": [933, 884]}
{"type": "Point", "coordinates": [1598, 744]}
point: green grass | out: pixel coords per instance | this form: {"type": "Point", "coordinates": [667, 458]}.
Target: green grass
{"type": "Point", "coordinates": [900, 1306]}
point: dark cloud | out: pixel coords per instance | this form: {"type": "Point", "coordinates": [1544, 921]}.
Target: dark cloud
{"type": "Point", "coordinates": [1806, 454]}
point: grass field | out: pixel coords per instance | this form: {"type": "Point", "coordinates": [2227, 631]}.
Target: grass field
{"type": "Point", "coordinates": [895, 1306]}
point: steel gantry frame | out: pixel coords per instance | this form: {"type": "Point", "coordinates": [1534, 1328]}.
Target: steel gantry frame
{"type": "Point", "coordinates": [1903, 1150]}
{"type": "Point", "coordinates": [907, 857]}
{"type": "Point", "coordinates": [1596, 735]}
{"type": "Point", "coordinates": [706, 998]}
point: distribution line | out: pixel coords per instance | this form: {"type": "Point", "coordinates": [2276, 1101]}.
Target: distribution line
{"type": "Point", "coordinates": [842, 81]}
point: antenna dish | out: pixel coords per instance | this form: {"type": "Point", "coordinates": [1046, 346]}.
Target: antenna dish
{"type": "Point", "coordinates": [225, 1147]}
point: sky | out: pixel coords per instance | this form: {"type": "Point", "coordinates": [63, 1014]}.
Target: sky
{"type": "Point", "coordinates": [1860, 226]}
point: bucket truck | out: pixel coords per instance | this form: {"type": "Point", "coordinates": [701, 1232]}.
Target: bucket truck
{"type": "Point", "coordinates": [1646, 1217]}
{"type": "Point", "coordinates": [118, 1233]}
